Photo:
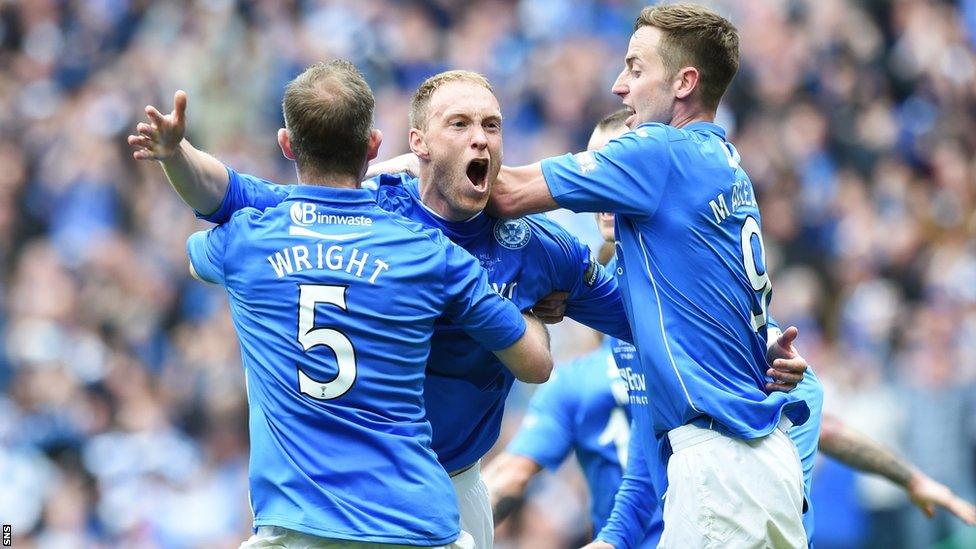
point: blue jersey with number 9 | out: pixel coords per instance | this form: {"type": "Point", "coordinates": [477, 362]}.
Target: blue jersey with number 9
{"type": "Point", "coordinates": [334, 301]}
{"type": "Point", "coordinates": [691, 269]}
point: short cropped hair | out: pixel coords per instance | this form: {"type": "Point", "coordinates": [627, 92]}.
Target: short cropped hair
{"type": "Point", "coordinates": [699, 37]}
{"type": "Point", "coordinates": [421, 98]}
{"type": "Point", "coordinates": [614, 120]}
{"type": "Point", "coordinates": [329, 115]}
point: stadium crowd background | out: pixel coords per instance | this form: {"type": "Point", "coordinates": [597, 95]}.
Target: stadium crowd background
{"type": "Point", "coordinates": [122, 408]}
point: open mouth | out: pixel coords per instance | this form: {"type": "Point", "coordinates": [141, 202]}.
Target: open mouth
{"type": "Point", "coordinates": [478, 173]}
{"type": "Point", "coordinates": [629, 122]}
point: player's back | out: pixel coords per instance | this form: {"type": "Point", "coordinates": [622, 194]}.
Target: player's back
{"type": "Point", "coordinates": [334, 301]}
{"type": "Point", "coordinates": [696, 266]}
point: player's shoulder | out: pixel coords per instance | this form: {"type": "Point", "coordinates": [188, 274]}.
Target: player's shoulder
{"type": "Point", "coordinates": [424, 234]}
{"type": "Point", "coordinates": [547, 233]}
{"type": "Point", "coordinates": [393, 192]}
{"type": "Point", "coordinates": [245, 216]}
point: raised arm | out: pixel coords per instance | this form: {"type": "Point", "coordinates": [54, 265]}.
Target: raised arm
{"type": "Point", "coordinates": [858, 451]}
{"type": "Point", "coordinates": [200, 179]}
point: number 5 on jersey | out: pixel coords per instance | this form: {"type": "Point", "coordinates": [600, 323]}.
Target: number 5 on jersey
{"type": "Point", "coordinates": [310, 295]}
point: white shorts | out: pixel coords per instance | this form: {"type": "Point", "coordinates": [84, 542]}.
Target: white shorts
{"type": "Point", "coordinates": [475, 506]}
{"type": "Point", "coordinates": [276, 537]}
{"type": "Point", "coordinates": [730, 493]}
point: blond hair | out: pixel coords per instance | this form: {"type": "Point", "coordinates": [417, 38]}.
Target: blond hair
{"type": "Point", "coordinates": [699, 37]}
{"type": "Point", "coordinates": [421, 98]}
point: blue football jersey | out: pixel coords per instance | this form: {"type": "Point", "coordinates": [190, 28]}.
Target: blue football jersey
{"type": "Point", "coordinates": [638, 508]}
{"type": "Point", "coordinates": [334, 301]}
{"type": "Point", "coordinates": [526, 259]}
{"type": "Point", "coordinates": [584, 409]}
{"type": "Point", "coordinates": [691, 269]}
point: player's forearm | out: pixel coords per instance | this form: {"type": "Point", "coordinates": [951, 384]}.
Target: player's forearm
{"type": "Point", "coordinates": [529, 358]}
{"type": "Point", "coordinates": [200, 179]}
{"type": "Point", "coordinates": [856, 450]}
{"type": "Point", "coordinates": [507, 478]}
{"type": "Point", "coordinates": [520, 191]}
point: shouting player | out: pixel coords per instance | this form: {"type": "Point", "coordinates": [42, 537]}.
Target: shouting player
{"type": "Point", "coordinates": [456, 132]}
{"type": "Point", "coordinates": [334, 301]}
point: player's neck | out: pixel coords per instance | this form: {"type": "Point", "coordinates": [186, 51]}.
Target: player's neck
{"type": "Point", "coordinates": [437, 204]}
{"type": "Point", "coordinates": [337, 181]}
{"type": "Point", "coordinates": [682, 119]}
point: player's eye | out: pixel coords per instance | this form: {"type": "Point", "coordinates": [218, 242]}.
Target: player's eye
{"type": "Point", "coordinates": [493, 126]}
{"type": "Point", "coordinates": [635, 74]}
{"type": "Point", "coordinates": [458, 124]}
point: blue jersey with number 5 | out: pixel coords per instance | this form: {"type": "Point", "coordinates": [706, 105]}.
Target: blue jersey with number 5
{"type": "Point", "coordinates": [334, 301]}
{"type": "Point", "coordinates": [691, 269]}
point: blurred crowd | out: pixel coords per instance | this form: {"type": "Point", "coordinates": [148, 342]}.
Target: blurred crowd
{"type": "Point", "coordinates": [122, 409]}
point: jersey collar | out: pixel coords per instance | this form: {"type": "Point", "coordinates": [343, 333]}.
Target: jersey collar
{"type": "Point", "coordinates": [331, 194]}
{"type": "Point", "coordinates": [710, 127]}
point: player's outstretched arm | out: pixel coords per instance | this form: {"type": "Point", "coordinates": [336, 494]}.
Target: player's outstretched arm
{"type": "Point", "coordinates": [507, 477]}
{"type": "Point", "coordinates": [529, 357]}
{"type": "Point", "coordinates": [858, 451]}
{"type": "Point", "coordinates": [520, 191]}
{"type": "Point", "coordinates": [200, 179]}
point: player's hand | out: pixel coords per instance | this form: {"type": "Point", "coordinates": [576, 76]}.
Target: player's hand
{"type": "Point", "coordinates": [161, 137]}
{"type": "Point", "coordinates": [405, 163]}
{"type": "Point", "coordinates": [926, 494]}
{"type": "Point", "coordinates": [598, 544]}
{"type": "Point", "coordinates": [787, 366]}
{"type": "Point", "coordinates": [552, 308]}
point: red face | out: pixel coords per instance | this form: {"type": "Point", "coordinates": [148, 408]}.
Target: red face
{"type": "Point", "coordinates": [463, 145]}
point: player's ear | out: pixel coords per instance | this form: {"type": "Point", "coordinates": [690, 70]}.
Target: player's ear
{"type": "Point", "coordinates": [685, 82]}
{"type": "Point", "coordinates": [284, 141]}
{"type": "Point", "coordinates": [418, 144]}
{"type": "Point", "coordinates": [373, 146]}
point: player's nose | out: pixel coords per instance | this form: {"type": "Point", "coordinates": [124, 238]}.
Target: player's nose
{"type": "Point", "coordinates": [479, 139]}
{"type": "Point", "coordinates": [620, 84]}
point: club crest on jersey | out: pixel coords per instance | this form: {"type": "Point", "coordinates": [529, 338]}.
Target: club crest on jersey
{"type": "Point", "coordinates": [512, 233]}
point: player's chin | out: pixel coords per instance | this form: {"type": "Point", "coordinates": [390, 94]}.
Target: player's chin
{"type": "Point", "coordinates": [474, 201]}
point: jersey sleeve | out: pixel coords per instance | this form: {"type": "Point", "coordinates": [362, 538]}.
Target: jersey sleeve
{"type": "Point", "coordinates": [490, 319]}
{"type": "Point", "coordinates": [634, 505]}
{"type": "Point", "coordinates": [206, 250]}
{"type": "Point", "coordinates": [626, 176]}
{"type": "Point", "coordinates": [546, 435]}
{"type": "Point", "coordinates": [594, 298]}
{"type": "Point", "coordinates": [246, 191]}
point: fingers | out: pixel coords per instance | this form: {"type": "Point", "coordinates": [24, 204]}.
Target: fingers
{"type": "Point", "coordinates": [179, 107]}
{"type": "Point", "coordinates": [149, 131]}
{"type": "Point", "coordinates": [796, 365]}
{"type": "Point", "coordinates": [785, 378]}
{"type": "Point", "coordinates": [157, 117]}
{"type": "Point", "coordinates": [774, 387]}
{"type": "Point", "coordinates": [552, 308]}
{"type": "Point", "coordinates": [786, 339]}
{"type": "Point", "coordinates": [963, 509]}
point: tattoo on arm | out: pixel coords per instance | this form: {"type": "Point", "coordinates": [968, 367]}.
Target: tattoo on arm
{"type": "Point", "coordinates": [858, 451]}
{"type": "Point", "coordinates": [504, 507]}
